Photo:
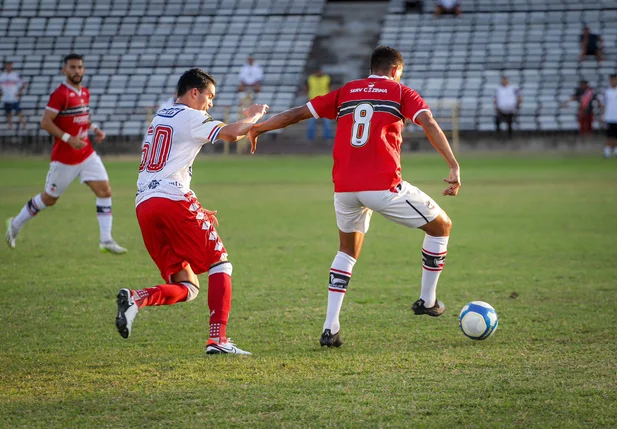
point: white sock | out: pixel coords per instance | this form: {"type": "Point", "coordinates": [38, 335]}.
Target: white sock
{"type": "Point", "coordinates": [615, 151]}
{"type": "Point", "coordinates": [434, 251]}
{"type": "Point", "coordinates": [30, 210]}
{"type": "Point", "coordinates": [103, 213]}
{"type": "Point", "coordinates": [607, 151]}
{"type": "Point", "coordinates": [340, 275]}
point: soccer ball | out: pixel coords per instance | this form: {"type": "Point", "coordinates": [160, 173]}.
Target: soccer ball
{"type": "Point", "coordinates": [478, 320]}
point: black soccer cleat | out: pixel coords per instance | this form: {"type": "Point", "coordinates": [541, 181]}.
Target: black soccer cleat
{"type": "Point", "coordinates": [331, 340]}
{"type": "Point", "coordinates": [127, 310]}
{"type": "Point", "coordinates": [435, 311]}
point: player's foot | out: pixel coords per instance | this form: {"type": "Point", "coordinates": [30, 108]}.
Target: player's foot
{"type": "Point", "coordinates": [331, 340]}
{"type": "Point", "coordinates": [111, 247]}
{"type": "Point", "coordinates": [226, 348]}
{"type": "Point", "coordinates": [127, 310]}
{"type": "Point", "coordinates": [435, 311]}
{"type": "Point", "coordinates": [11, 233]}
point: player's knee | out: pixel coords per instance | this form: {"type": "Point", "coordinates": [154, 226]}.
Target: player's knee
{"type": "Point", "coordinates": [221, 267]}
{"type": "Point", "coordinates": [104, 193]}
{"type": "Point", "coordinates": [193, 290]}
{"type": "Point", "coordinates": [446, 223]}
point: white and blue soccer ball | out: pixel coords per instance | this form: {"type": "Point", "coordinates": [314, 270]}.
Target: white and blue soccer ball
{"type": "Point", "coordinates": [478, 320]}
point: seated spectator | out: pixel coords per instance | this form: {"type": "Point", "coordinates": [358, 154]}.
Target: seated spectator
{"type": "Point", "coordinates": [507, 102]}
{"type": "Point", "coordinates": [591, 44]}
{"type": "Point", "coordinates": [448, 7]}
{"type": "Point", "coordinates": [251, 76]}
{"type": "Point", "coordinates": [414, 6]}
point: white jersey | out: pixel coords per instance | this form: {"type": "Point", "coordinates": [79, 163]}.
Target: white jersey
{"type": "Point", "coordinates": [10, 83]}
{"type": "Point", "coordinates": [170, 146]}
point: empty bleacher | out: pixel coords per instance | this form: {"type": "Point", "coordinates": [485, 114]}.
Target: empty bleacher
{"type": "Point", "coordinates": [534, 43]}
{"type": "Point", "coordinates": [135, 50]}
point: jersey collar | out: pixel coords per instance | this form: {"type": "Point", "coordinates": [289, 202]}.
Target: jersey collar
{"type": "Point", "coordinates": [375, 76]}
{"type": "Point", "coordinates": [72, 88]}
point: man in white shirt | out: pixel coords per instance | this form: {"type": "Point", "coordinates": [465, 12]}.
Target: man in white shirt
{"type": "Point", "coordinates": [451, 7]}
{"type": "Point", "coordinates": [250, 76]}
{"type": "Point", "coordinates": [12, 87]}
{"type": "Point", "coordinates": [507, 102]}
{"type": "Point", "coordinates": [609, 116]}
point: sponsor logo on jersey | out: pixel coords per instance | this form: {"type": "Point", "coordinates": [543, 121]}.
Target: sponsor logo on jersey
{"type": "Point", "coordinates": [371, 88]}
{"type": "Point", "coordinates": [81, 119]}
{"type": "Point", "coordinates": [169, 112]}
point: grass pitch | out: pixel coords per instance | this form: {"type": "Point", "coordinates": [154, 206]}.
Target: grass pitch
{"type": "Point", "coordinates": [540, 228]}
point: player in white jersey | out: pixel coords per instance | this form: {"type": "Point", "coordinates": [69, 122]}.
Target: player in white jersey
{"type": "Point", "coordinates": [178, 232]}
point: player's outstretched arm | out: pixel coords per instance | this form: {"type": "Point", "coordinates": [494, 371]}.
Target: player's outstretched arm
{"type": "Point", "coordinates": [237, 130]}
{"type": "Point", "coordinates": [278, 121]}
{"type": "Point", "coordinates": [440, 142]}
{"type": "Point", "coordinates": [47, 124]}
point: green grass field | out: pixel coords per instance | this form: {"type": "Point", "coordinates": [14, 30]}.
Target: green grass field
{"type": "Point", "coordinates": [544, 227]}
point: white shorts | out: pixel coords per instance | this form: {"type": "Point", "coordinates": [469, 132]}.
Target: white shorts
{"type": "Point", "coordinates": [60, 176]}
{"type": "Point", "coordinates": [406, 205]}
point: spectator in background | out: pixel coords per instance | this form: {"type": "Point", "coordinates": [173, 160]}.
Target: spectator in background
{"type": "Point", "coordinates": [318, 84]}
{"type": "Point", "coordinates": [591, 44]}
{"type": "Point", "coordinates": [251, 76]}
{"type": "Point", "coordinates": [507, 102]}
{"type": "Point", "coordinates": [451, 7]}
{"type": "Point", "coordinates": [586, 97]}
{"type": "Point", "coordinates": [12, 87]}
{"type": "Point", "coordinates": [609, 116]}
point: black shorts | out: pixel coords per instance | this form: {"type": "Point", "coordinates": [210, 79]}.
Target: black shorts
{"type": "Point", "coordinates": [12, 107]}
{"type": "Point", "coordinates": [611, 130]}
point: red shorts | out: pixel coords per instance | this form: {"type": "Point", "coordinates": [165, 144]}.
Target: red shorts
{"type": "Point", "coordinates": [179, 233]}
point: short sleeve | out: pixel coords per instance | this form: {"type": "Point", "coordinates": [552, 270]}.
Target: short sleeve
{"type": "Point", "coordinates": [57, 101]}
{"type": "Point", "coordinates": [325, 106]}
{"type": "Point", "coordinates": [412, 104]}
{"type": "Point", "coordinates": [204, 128]}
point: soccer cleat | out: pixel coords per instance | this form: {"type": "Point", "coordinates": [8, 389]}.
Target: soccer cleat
{"type": "Point", "coordinates": [226, 348]}
{"type": "Point", "coordinates": [11, 235]}
{"type": "Point", "coordinates": [331, 340]}
{"type": "Point", "coordinates": [111, 247]}
{"type": "Point", "coordinates": [127, 310]}
{"type": "Point", "coordinates": [435, 311]}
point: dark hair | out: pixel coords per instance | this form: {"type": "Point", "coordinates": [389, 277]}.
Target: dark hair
{"type": "Point", "coordinates": [194, 78]}
{"type": "Point", "coordinates": [384, 58]}
{"type": "Point", "coordinates": [73, 56]}
{"type": "Point", "coordinates": [613, 76]}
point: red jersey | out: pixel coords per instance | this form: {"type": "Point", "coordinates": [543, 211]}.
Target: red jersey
{"type": "Point", "coordinates": [72, 107]}
{"type": "Point", "coordinates": [371, 113]}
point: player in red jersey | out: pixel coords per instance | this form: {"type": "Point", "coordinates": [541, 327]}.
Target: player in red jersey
{"type": "Point", "coordinates": [371, 113]}
{"type": "Point", "coordinates": [67, 119]}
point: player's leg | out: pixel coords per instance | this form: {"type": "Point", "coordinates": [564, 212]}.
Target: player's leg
{"type": "Point", "coordinates": [59, 177]}
{"type": "Point", "coordinates": [8, 112]}
{"type": "Point", "coordinates": [22, 119]}
{"type": "Point", "coordinates": [94, 175]}
{"type": "Point", "coordinates": [353, 220]}
{"type": "Point", "coordinates": [409, 206]}
{"type": "Point", "coordinates": [509, 120]}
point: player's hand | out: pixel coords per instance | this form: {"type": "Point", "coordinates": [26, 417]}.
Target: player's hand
{"type": "Point", "coordinates": [253, 134]}
{"type": "Point", "coordinates": [454, 181]}
{"type": "Point", "coordinates": [255, 110]}
{"type": "Point", "coordinates": [76, 142]}
{"type": "Point", "coordinates": [99, 135]}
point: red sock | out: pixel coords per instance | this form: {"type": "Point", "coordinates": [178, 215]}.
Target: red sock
{"type": "Point", "coordinates": [219, 302]}
{"type": "Point", "coordinates": [167, 294]}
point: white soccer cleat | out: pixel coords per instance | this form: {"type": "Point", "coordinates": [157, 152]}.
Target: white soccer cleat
{"type": "Point", "coordinates": [112, 247]}
{"type": "Point", "coordinates": [226, 348]}
{"type": "Point", "coordinates": [11, 234]}
{"type": "Point", "coordinates": [127, 311]}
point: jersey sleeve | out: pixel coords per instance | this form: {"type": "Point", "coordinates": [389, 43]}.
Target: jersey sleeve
{"type": "Point", "coordinates": [412, 104]}
{"type": "Point", "coordinates": [204, 128]}
{"type": "Point", "coordinates": [57, 101]}
{"type": "Point", "coordinates": [325, 106]}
